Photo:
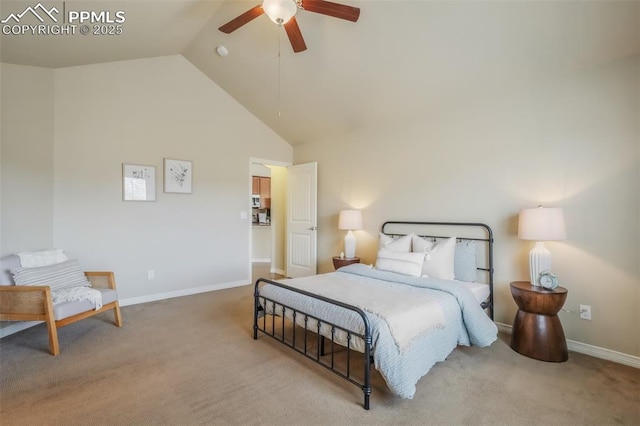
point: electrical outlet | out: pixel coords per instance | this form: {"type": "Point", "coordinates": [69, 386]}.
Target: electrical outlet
{"type": "Point", "coordinates": [151, 274]}
{"type": "Point", "coordinates": [585, 312]}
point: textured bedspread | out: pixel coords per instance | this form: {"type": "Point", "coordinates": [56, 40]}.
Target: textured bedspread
{"type": "Point", "coordinates": [464, 321]}
{"type": "Point", "coordinates": [409, 312]}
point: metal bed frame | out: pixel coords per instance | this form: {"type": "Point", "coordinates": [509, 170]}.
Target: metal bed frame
{"type": "Point", "coordinates": [284, 331]}
{"type": "Point", "coordinates": [488, 239]}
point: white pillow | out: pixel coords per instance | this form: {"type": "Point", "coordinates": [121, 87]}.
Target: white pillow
{"type": "Point", "coordinates": [402, 263]}
{"type": "Point", "coordinates": [34, 259]}
{"type": "Point", "coordinates": [402, 244]}
{"type": "Point", "coordinates": [438, 262]}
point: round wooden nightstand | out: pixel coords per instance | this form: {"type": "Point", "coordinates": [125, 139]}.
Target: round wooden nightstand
{"type": "Point", "coordinates": [340, 262]}
{"type": "Point", "coordinates": [537, 331]}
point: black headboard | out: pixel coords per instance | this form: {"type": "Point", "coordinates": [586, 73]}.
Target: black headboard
{"type": "Point", "coordinates": [463, 231]}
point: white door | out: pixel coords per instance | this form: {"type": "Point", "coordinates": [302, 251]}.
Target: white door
{"type": "Point", "coordinates": [302, 220]}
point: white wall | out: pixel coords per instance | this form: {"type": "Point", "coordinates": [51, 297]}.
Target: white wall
{"type": "Point", "coordinates": [27, 158]}
{"type": "Point", "coordinates": [569, 141]}
{"type": "Point", "coordinates": [139, 112]}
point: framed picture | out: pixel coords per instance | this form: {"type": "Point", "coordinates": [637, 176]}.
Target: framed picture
{"type": "Point", "coordinates": [138, 182]}
{"type": "Point", "coordinates": [177, 176]}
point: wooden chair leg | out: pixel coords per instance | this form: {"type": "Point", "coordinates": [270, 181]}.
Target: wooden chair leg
{"type": "Point", "coordinates": [53, 336]}
{"type": "Point", "coordinates": [118, 316]}
{"type": "Point", "coordinates": [51, 323]}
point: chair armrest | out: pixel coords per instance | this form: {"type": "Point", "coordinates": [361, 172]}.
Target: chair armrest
{"type": "Point", "coordinates": [99, 279]}
{"type": "Point", "coordinates": [21, 302]}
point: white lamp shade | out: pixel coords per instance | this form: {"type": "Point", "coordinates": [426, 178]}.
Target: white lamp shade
{"type": "Point", "coordinates": [350, 220]}
{"type": "Point", "coordinates": [541, 224]}
{"type": "Point", "coordinates": [279, 11]}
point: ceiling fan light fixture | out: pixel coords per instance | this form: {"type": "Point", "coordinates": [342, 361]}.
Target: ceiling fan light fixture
{"type": "Point", "coordinates": [280, 11]}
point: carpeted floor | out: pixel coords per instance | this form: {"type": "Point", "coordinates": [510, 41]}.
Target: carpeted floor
{"type": "Point", "coordinates": [192, 360]}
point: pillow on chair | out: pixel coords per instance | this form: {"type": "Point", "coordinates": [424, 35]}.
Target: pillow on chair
{"type": "Point", "coordinates": [60, 275]}
{"type": "Point", "coordinates": [33, 259]}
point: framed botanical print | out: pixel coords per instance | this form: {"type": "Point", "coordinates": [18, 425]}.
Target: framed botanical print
{"type": "Point", "coordinates": [178, 175]}
{"type": "Point", "coordinates": [138, 182]}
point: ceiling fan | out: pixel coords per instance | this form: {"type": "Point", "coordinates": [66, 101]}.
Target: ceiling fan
{"type": "Point", "coordinates": [282, 12]}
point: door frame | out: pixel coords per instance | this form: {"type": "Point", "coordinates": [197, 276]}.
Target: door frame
{"type": "Point", "coordinates": [266, 162]}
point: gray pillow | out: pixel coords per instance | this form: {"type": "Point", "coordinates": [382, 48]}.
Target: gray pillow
{"type": "Point", "coordinates": [464, 261]}
{"type": "Point", "coordinates": [61, 275]}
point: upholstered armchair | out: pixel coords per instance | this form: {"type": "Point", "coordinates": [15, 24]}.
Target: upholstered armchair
{"type": "Point", "coordinates": [35, 302]}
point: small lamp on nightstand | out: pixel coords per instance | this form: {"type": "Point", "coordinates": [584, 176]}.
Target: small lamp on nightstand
{"type": "Point", "coordinates": [350, 220]}
{"type": "Point", "coordinates": [540, 224]}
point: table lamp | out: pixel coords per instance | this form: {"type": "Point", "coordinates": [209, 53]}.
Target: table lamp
{"type": "Point", "coordinates": [350, 220]}
{"type": "Point", "coordinates": [540, 224]}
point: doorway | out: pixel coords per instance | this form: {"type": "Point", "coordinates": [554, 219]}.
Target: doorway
{"type": "Point", "coordinates": [287, 218]}
{"type": "Point", "coordinates": [268, 213]}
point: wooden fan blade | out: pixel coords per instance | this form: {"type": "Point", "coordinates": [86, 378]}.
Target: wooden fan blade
{"type": "Point", "coordinates": [336, 10]}
{"type": "Point", "coordinates": [245, 18]}
{"type": "Point", "coordinates": [295, 36]}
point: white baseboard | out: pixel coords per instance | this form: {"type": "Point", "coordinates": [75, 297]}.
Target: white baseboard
{"type": "Point", "coordinates": [23, 325]}
{"type": "Point", "coordinates": [277, 271]}
{"type": "Point", "coordinates": [265, 260]}
{"type": "Point", "coordinates": [594, 351]}
{"type": "Point", "coordinates": [180, 293]}
{"type": "Point", "coordinates": [16, 327]}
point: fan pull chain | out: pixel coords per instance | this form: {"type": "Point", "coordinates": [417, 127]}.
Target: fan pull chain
{"type": "Point", "coordinates": [279, 72]}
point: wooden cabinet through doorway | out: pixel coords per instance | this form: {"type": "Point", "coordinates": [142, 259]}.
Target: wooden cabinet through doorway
{"type": "Point", "coordinates": [262, 186]}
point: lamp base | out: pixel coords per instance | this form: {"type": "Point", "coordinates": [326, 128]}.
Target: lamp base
{"type": "Point", "coordinates": [539, 261]}
{"type": "Point", "coordinates": [350, 245]}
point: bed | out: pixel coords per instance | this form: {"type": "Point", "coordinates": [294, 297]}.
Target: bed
{"type": "Point", "coordinates": [421, 300]}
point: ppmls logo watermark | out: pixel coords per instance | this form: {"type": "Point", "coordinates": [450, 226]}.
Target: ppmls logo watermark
{"type": "Point", "coordinates": [59, 20]}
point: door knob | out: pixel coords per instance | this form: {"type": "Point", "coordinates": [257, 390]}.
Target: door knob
{"type": "Point", "coordinates": [313, 228]}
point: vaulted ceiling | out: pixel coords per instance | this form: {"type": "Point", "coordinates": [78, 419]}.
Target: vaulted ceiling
{"type": "Point", "coordinates": [403, 59]}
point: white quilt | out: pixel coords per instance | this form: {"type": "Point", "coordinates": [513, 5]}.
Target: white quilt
{"type": "Point", "coordinates": [408, 311]}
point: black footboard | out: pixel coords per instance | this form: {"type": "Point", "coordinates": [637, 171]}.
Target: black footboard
{"type": "Point", "coordinates": [284, 331]}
